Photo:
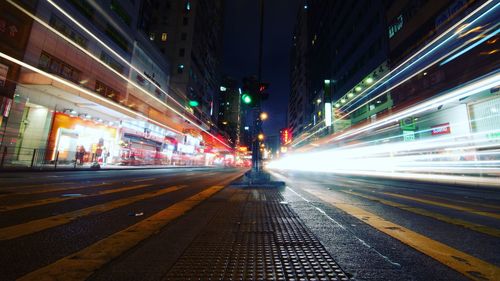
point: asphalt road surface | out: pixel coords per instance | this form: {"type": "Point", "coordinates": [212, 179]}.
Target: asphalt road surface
{"type": "Point", "coordinates": [45, 218]}
{"type": "Point", "coordinates": [136, 224]}
{"type": "Point", "coordinates": [380, 229]}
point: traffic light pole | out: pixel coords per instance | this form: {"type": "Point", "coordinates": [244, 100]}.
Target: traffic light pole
{"type": "Point", "coordinates": [256, 161]}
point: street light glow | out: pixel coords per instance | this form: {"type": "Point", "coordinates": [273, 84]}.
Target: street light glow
{"type": "Point", "coordinates": [263, 116]}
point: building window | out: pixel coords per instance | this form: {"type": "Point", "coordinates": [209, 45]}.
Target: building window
{"type": "Point", "coordinates": [180, 68]}
{"type": "Point", "coordinates": [164, 36]}
{"type": "Point", "coordinates": [56, 66]}
{"type": "Point", "coordinates": [181, 52]}
{"type": "Point", "coordinates": [120, 11]}
{"type": "Point", "coordinates": [117, 38]}
{"type": "Point", "coordinates": [185, 21]}
{"type": "Point", "coordinates": [183, 36]}
{"type": "Point", "coordinates": [107, 59]}
{"type": "Point", "coordinates": [108, 92]}
{"type": "Point", "coordinates": [69, 32]}
{"type": "Point", "coordinates": [84, 7]}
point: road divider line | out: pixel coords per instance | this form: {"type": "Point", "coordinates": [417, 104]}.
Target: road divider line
{"type": "Point", "coordinates": [80, 265]}
{"type": "Point", "coordinates": [470, 266]}
{"type": "Point", "coordinates": [489, 206]}
{"type": "Point", "coordinates": [469, 225]}
{"type": "Point", "coordinates": [445, 205]}
{"type": "Point", "coordinates": [18, 230]}
{"type": "Point", "coordinates": [52, 200]}
{"type": "Point", "coordinates": [141, 180]}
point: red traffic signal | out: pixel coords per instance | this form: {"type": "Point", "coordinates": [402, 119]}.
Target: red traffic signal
{"type": "Point", "coordinates": [263, 87]}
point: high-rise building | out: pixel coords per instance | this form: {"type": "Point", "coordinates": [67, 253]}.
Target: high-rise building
{"type": "Point", "coordinates": [229, 116]}
{"type": "Point", "coordinates": [333, 59]}
{"type": "Point", "coordinates": [189, 34]}
{"type": "Point", "coordinates": [300, 103]}
{"type": "Point", "coordinates": [411, 25]}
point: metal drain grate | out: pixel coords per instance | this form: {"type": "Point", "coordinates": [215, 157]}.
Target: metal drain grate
{"type": "Point", "coordinates": [256, 238]}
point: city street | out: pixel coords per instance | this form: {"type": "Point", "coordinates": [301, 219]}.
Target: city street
{"type": "Point", "coordinates": [45, 217]}
{"type": "Point", "coordinates": [396, 230]}
{"type": "Point", "coordinates": [147, 224]}
{"type": "Point", "coordinates": [283, 140]}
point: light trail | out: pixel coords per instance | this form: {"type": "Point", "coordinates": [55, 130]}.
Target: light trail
{"type": "Point", "coordinates": [116, 72]}
{"type": "Point", "coordinates": [459, 26]}
{"type": "Point", "coordinates": [81, 89]}
{"type": "Point", "coordinates": [391, 75]}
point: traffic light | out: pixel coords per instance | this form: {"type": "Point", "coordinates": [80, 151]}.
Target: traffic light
{"type": "Point", "coordinates": [193, 103]}
{"type": "Point", "coordinates": [263, 87]}
{"type": "Point", "coordinates": [253, 91]}
{"type": "Point", "coordinates": [263, 95]}
{"type": "Point", "coordinates": [246, 98]}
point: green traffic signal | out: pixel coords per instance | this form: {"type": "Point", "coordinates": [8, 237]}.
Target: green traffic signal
{"type": "Point", "coordinates": [193, 103]}
{"type": "Point", "coordinates": [246, 98]}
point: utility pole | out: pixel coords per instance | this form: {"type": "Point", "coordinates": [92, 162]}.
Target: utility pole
{"type": "Point", "coordinates": [257, 122]}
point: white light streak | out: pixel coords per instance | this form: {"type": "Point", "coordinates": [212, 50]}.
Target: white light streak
{"type": "Point", "coordinates": [113, 70]}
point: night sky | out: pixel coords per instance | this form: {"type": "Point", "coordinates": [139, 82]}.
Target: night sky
{"type": "Point", "coordinates": [241, 37]}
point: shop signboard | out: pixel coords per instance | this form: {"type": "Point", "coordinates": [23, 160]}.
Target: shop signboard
{"type": "Point", "coordinates": [3, 74]}
{"type": "Point", "coordinates": [150, 76]}
{"type": "Point", "coordinates": [407, 124]}
{"type": "Point", "coordinates": [5, 106]}
{"type": "Point", "coordinates": [441, 129]}
{"type": "Point", "coordinates": [408, 135]}
{"type": "Point", "coordinates": [185, 148]}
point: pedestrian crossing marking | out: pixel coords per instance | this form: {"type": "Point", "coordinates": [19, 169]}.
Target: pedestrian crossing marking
{"type": "Point", "coordinates": [445, 205]}
{"type": "Point", "coordinates": [80, 265]}
{"type": "Point", "coordinates": [472, 226]}
{"type": "Point", "coordinates": [470, 266]}
{"type": "Point", "coordinates": [52, 200]}
{"type": "Point", "coordinates": [18, 230]}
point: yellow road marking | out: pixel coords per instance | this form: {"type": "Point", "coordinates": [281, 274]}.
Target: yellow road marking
{"type": "Point", "coordinates": [61, 199]}
{"type": "Point", "coordinates": [472, 226]}
{"type": "Point", "coordinates": [14, 189]}
{"type": "Point", "coordinates": [141, 180]}
{"type": "Point", "coordinates": [445, 205]}
{"type": "Point", "coordinates": [466, 264]}
{"type": "Point", "coordinates": [18, 230]}
{"type": "Point", "coordinates": [464, 202]}
{"type": "Point", "coordinates": [80, 265]}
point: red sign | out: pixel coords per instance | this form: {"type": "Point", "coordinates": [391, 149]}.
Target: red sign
{"type": "Point", "coordinates": [285, 136]}
{"type": "Point", "coordinates": [441, 129]}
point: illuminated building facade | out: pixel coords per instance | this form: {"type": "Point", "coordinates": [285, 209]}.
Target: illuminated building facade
{"type": "Point", "coordinates": [92, 88]}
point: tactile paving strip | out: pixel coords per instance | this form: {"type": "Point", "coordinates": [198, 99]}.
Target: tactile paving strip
{"type": "Point", "coordinates": [256, 237]}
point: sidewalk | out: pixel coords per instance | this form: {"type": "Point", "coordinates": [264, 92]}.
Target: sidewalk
{"type": "Point", "coordinates": [87, 167]}
{"type": "Point", "coordinates": [256, 237]}
{"type": "Point", "coordinates": [241, 233]}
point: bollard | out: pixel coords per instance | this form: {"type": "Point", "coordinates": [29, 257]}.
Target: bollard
{"type": "Point", "coordinates": [57, 159]}
{"type": "Point", "coordinates": [3, 156]}
{"type": "Point", "coordinates": [33, 158]}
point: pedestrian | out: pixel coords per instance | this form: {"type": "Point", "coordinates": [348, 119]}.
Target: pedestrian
{"type": "Point", "coordinates": [81, 154]}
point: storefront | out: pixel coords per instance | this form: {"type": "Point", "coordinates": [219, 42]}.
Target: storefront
{"type": "Point", "coordinates": [143, 143]}
{"type": "Point", "coordinates": [73, 138]}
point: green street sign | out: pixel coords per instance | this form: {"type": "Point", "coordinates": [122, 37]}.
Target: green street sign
{"type": "Point", "coordinates": [408, 124]}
